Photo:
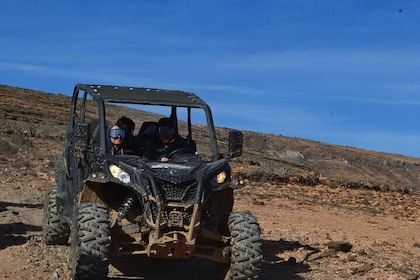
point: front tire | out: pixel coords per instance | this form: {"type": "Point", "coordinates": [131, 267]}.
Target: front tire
{"type": "Point", "coordinates": [55, 229]}
{"type": "Point", "coordinates": [90, 242]}
{"type": "Point", "coordinates": [245, 247]}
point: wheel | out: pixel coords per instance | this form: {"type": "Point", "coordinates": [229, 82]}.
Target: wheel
{"type": "Point", "coordinates": [90, 242]}
{"type": "Point", "coordinates": [245, 248]}
{"type": "Point", "coordinates": [181, 150]}
{"type": "Point", "coordinates": [55, 229]}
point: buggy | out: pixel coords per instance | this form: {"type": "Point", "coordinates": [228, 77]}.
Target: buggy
{"type": "Point", "coordinates": [108, 206]}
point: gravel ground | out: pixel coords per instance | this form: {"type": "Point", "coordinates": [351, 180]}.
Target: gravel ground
{"type": "Point", "coordinates": [309, 232]}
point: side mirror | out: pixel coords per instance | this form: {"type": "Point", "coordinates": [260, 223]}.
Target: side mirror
{"type": "Point", "coordinates": [235, 144]}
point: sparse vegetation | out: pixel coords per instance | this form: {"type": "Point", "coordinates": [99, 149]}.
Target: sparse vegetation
{"type": "Point", "coordinates": [266, 157]}
{"type": "Point", "coordinates": [7, 148]}
{"type": "Point", "coordinates": [331, 193]}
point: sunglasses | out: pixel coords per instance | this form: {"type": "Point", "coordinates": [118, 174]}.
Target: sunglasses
{"type": "Point", "coordinates": [117, 132]}
{"type": "Point", "coordinates": [166, 130]}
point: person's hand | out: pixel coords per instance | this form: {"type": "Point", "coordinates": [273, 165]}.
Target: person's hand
{"type": "Point", "coordinates": [164, 159]}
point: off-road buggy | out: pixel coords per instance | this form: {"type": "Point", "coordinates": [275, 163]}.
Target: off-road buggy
{"type": "Point", "coordinates": [107, 206]}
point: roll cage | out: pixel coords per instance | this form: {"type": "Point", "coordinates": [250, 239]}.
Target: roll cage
{"type": "Point", "coordinates": [137, 95]}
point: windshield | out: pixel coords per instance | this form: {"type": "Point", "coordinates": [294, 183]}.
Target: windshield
{"type": "Point", "coordinates": [148, 124]}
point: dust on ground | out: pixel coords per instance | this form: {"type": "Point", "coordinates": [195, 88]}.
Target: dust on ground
{"type": "Point", "coordinates": [309, 232]}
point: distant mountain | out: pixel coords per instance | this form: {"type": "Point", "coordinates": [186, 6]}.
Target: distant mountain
{"type": "Point", "coordinates": [32, 114]}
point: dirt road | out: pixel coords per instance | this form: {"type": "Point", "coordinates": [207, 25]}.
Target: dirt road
{"type": "Point", "coordinates": [299, 225]}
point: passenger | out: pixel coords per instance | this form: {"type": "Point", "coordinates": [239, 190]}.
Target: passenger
{"type": "Point", "coordinates": [117, 137]}
{"type": "Point", "coordinates": [122, 139]}
{"type": "Point", "coordinates": [167, 142]}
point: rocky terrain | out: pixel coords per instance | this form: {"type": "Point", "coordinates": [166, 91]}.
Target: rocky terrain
{"type": "Point", "coordinates": [326, 212]}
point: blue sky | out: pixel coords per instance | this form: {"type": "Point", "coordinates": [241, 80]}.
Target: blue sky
{"type": "Point", "coordinates": [340, 72]}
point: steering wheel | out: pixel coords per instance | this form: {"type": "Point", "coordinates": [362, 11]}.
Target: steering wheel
{"type": "Point", "coordinates": [181, 150]}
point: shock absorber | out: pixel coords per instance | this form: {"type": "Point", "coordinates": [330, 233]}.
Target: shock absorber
{"type": "Point", "coordinates": [125, 207]}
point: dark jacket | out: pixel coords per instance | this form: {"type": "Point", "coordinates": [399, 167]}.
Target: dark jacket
{"type": "Point", "coordinates": [157, 149]}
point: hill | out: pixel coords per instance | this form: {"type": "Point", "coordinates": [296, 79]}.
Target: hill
{"type": "Point", "coordinates": [326, 211]}
{"type": "Point", "coordinates": [29, 115]}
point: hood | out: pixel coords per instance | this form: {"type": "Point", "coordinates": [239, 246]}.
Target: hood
{"type": "Point", "coordinates": [175, 172]}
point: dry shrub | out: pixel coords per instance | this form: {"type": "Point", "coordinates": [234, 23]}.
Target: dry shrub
{"type": "Point", "coordinates": [7, 148]}
{"type": "Point", "coordinates": [20, 140]}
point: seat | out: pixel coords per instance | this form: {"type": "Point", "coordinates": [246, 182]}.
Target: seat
{"type": "Point", "coordinates": [148, 128]}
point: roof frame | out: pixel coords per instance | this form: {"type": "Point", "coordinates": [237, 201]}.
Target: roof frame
{"type": "Point", "coordinates": [146, 96]}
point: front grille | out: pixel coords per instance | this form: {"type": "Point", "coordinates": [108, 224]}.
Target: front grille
{"type": "Point", "coordinates": [171, 217]}
{"type": "Point", "coordinates": [183, 195]}
{"type": "Point", "coordinates": [184, 192]}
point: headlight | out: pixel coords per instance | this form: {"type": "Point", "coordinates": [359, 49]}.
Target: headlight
{"type": "Point", "coordinates": [119, 174]}
{"type": "Point", "coordinates": [219, 179]}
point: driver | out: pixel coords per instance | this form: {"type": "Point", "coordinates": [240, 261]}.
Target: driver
{"type": "Point", "coordinates": [169, 139]}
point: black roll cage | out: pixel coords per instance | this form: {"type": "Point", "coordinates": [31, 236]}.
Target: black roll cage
{"type": "Point", "coordinates": [144, 96]}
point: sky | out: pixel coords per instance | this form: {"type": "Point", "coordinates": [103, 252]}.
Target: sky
{"type": "Point", "coordinates": [339, 72]}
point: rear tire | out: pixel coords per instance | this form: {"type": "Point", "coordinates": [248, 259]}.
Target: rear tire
{"type": "Point", "coordinates": [245, 247]}
{"type": "Point", "coordinates": [90, 242]}
{"type": "Point", "coordinates": [55, 229]}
